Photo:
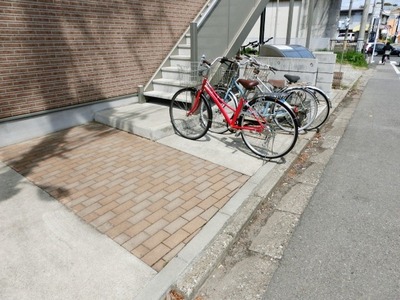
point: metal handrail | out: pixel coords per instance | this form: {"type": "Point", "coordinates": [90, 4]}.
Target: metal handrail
{"type": "Point", "coordinates": [206, 14]}
{"type": "Point", "coordinates": [194, 29]}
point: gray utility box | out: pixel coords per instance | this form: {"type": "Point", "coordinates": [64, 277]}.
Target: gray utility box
{"type": "Point", "coordinates": [294, 51]}
{"type": "Point", "coordinates": [315, 68]}
{"type": "Point", "coordinates": [306, 68]}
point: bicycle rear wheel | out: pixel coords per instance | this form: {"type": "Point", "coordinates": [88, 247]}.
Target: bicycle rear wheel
{"type": "Point", "coordinates": [276, 118]}
{"type": "Point", "coordinates": [303, 104]}
{"type": "Point", "coordinates": [188, 121]}
{"type": "Point", "coordinates": [324, 107]}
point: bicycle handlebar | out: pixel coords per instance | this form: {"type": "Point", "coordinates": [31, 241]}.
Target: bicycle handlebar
{"type": "Point", "coordinates": [255, 44]}
{"type": "Point", "coordinates": [222, 60]}
{"type": "Point", "coordinates": [253, 62]}
{"type": "Point", "coordinates": [250, 60]}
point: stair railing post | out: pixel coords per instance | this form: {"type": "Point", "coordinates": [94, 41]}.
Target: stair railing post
{"type": "Point", "coordinates": [193, 50]}
{"type": "Point", "coordinates": [141, 97]}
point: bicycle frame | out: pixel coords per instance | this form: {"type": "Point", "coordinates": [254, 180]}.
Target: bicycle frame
{"type": "Point", "coordinates": [231, 122]}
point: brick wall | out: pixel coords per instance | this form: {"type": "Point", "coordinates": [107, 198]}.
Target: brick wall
{"type": "Point", "coordinates": [58, 53]}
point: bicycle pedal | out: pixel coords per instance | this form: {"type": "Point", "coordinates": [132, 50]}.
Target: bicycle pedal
{"type": "Point", "coordinates": [237, 133]}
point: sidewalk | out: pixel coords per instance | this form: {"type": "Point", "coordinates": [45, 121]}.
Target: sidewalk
{"type": "Point", "coordinates": [94, 211]}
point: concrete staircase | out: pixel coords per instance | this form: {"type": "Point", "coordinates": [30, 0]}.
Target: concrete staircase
{"type": "Point", "coordinates": [174, 74]}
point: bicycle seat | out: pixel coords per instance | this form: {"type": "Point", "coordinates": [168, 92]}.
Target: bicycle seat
{"type": "Point", "coordinates": [292, 78]}
{"type": "Point", "coordinates": [248, 84]}
{"type": "Point", "coordinates": [277, 83]}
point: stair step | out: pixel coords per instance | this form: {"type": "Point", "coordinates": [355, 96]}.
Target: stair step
{"type": "Point", "coordinates": [184, 46]}
{"type": "Point", "coordinates": [178, 73]}
{"type": "Point", "coordinates": [159, 95]}
{"type": "Point", "coordinates": [187, 38]}
{"type": "Point", "coordinates": [175, 73]}
{"type": "Point", "coordinates": [180, 57]}
{"type": "Point", "coordinates": [174, 82]}
{"type": "Point", "coordinates": [166, 96]}
{"type": "Point", "coordinates": [182, 61]}
{"type": "Point", "coordinates": [144, 119]}
{"type": "Point", "coordinates": [184, 50]}
{"type": "Point", "coordinates": [174, 69]}
{"type": "Point", "coordinates": [170, 86]}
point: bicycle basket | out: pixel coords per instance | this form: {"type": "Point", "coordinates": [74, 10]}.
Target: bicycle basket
{"type": "Point", "coordinates": [190, 76]}
{"type": "Point", "coordinates": [263, 73]}
{"type": "Point", "coordinates": [223, 73]}
{"type": "Point", "coordinates": [250, 72]}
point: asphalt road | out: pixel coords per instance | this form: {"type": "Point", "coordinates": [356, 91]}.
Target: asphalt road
{"type": "Point", "coordinates": [346, 245]}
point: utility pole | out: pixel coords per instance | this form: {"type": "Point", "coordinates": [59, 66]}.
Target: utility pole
{"type": "Point", "coordinates": [276, 18]}
{"type": "Point", "coordinates": [290, 21]}
{"type": "Point", "coordinates": [377, 32]}
{"type": "Point", "coordinates": [361, 33]}
{"type": "Point", "coordinates": [372, 23]}
{"type": "Point", "coordinates": [261, 38]}
{"type": "Point", "coordinates": [345, 36]}
{"type": "Point", "coordinates": [310, 17]}
{"type": "Point", "coordinates": [347, 26]}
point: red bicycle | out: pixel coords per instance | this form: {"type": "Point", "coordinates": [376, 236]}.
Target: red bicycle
{"type": "Point", "coordinates": [267, 126]}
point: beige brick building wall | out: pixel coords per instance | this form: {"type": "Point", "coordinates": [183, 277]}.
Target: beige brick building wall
{"type": "Point", "coordinates": [60, 53]}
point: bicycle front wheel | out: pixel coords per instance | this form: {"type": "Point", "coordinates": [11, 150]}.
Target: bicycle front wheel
{"type": "Point", "coordinates": [274, 140]}
{"type": "Point", "coordinates": [191, 119]}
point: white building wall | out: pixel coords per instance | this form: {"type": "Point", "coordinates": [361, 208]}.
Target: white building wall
{"type": "Point", "coordinates": [277, 17]}
{"type": "Point", "coordinates": [324, 21]}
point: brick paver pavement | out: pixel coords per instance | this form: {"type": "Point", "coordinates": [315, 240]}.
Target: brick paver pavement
{"type": "Point", "coordinates": [149, 198]}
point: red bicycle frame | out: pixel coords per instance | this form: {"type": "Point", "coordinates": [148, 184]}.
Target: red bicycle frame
{"type": "Point", "coordinates": [231, 122]}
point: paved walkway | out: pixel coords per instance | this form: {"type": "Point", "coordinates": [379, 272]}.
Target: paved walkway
{"type": "Point", "coordinates": [149, 198]}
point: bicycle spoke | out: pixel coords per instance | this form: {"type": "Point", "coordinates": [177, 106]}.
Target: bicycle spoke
{"type": "Point", "coordinates": [273, 140]}
{"type": "Point", "coordinates": [323, 108]}
{"type": "Point", "coordinates": [187, 123]}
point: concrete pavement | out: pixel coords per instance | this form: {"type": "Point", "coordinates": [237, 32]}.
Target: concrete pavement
{"type": "Point", "coordinates": [49, 253]}
{"type": "Point", "coordinates": [97, 211]}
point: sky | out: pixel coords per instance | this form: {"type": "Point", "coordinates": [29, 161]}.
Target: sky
{"type": "Point", "coordinates": [358, 3]}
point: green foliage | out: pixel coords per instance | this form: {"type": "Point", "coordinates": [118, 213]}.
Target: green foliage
{"type": "Point", "coordinates": [249, 51]}
{"type": "Point", "coordinates": [353, 58]}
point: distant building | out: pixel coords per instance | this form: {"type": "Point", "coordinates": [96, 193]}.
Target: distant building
{"type": "Point", "coordinates": [388, 28]}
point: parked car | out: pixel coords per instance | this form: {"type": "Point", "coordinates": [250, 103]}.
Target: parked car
{"type": "Point", "coordinates": [350, 37]}
{"type": "Point", "coordinates": [396, 50]}
{"type": "Point", "coordinates": [378, 48]}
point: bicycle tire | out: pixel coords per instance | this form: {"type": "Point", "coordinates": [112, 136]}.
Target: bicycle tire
{"type": "Point", "coordinates": [219, 124]}
{"type": "Point", "coordinates": [191, 126]}
{"type": "Point", "coordinates": [324, 107]}
{"type": "Point", "coordinates": [273, 141]}
{"type": "Point", "coordinates": [304, 105]}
